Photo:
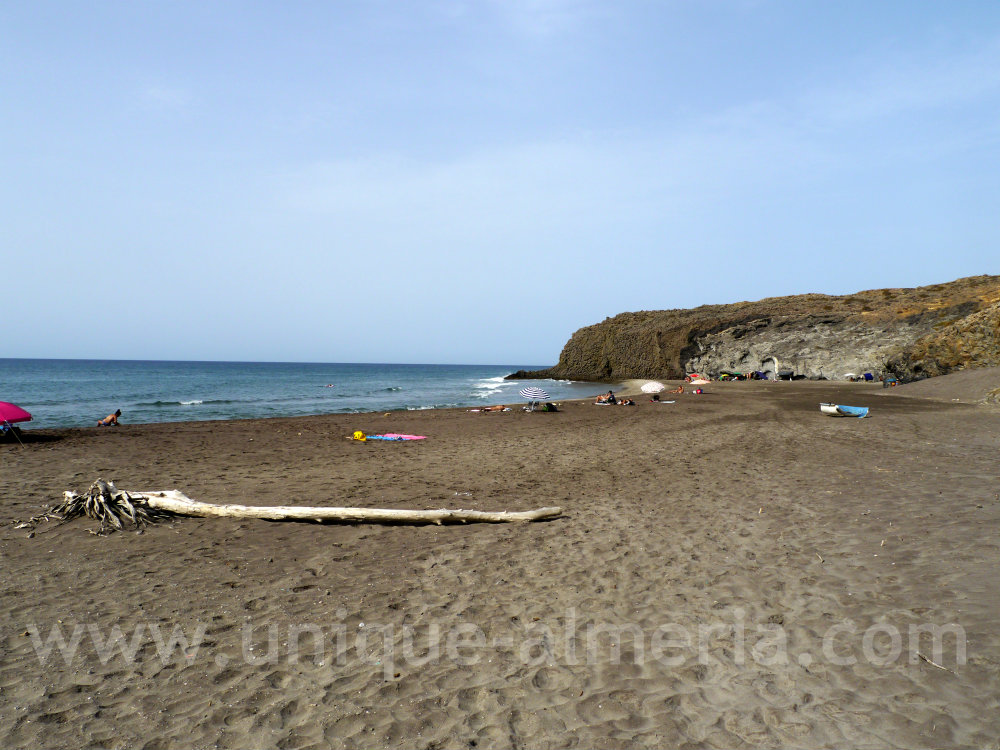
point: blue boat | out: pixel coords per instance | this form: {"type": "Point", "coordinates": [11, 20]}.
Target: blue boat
{"type": "Point", "coordinates": [839, 410]}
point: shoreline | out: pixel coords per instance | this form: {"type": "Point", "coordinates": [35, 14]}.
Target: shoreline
{"type": "Point", "coordinates": [630, 388]}
{"type": "Point", "coordinates": [60, 394]}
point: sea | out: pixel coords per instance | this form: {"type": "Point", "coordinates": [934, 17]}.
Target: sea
{"type": "Point", "coordinates": [76, 393]}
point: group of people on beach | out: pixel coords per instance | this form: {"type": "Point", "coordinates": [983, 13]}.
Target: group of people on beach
{"type": "Point", "coordinates": [610, 398]}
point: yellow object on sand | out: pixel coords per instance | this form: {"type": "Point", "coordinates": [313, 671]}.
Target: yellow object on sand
{"type": "Point", "coordinates": [359, 435]}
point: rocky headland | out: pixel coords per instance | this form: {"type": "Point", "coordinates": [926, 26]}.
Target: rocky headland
{"type": "Point", "coordinates": [909, 333]}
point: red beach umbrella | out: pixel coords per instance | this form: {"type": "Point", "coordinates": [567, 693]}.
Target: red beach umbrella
{"type": "Point", "coordinates": [13, 413]}
{"type": "Point", "coordinates": [10, 413]}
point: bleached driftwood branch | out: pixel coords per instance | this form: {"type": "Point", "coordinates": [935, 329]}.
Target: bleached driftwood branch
{"type": "Point", "coordinates": [179, 503]}
{"type": "Point", "coordinates": [114, 508]}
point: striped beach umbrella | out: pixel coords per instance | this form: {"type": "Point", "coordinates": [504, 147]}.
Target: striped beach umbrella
{"type": "Point", "coordinates": [533, 394]}
{"type": "Point", "coordinates": [652, 387]}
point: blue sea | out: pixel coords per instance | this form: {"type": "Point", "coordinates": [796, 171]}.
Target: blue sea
{"type": "Point", "coordinates": [76, 393]}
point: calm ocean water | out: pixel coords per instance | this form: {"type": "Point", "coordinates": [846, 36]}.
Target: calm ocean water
{"type": "Point", "coordinates": [76, 393]}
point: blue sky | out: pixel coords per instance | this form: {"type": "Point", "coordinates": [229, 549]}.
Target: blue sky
{"type": "Point", "coordinates": [472, 182]}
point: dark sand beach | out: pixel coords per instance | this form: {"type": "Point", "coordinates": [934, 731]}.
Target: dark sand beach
{"type": "Point", "coordinates": [731, 570]}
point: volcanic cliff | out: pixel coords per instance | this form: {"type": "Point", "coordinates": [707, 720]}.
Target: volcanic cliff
{"type": "Point", "coordinates": [912, 333]}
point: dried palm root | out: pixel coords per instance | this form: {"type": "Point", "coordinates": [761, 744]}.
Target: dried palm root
{"type": "Point", "coordinates": [113, 508]}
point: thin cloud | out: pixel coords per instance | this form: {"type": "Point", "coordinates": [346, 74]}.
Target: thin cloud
{"type": "Point", "coordinates": [160, 97]}
{"type": "Point", "coordinates": [542, 18]}
{"type": "Point", "coordinates": [902, 85]}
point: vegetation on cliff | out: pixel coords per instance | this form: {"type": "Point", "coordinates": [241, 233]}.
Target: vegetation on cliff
{"type": "Point", "coordinates": [931, 328]}
{"type": "Point", "coordinates": [972, 341]}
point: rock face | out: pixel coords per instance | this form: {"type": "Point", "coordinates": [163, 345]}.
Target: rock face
{"type": "Point", "coordinates": [970, 342]}
{"type": "Point", "coordinates": [911, 332]}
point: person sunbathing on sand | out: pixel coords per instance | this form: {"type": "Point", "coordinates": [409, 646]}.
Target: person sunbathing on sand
{"type": "Point", "coordinates": [500, 407]}
{"type": "Point", "coordinates": [678, 389]}
{"type": "Point", "coordinates": [111, 419]}
{"type": "Point", "coordinates": [608, 399]}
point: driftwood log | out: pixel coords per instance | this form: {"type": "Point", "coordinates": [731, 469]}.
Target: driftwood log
{"type": "Point", "coordinates": [115, 508]}
{"type": "Point", "coordinates": [177, 502]}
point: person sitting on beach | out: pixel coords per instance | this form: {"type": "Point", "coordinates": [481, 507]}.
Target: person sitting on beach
{"type": "Point", "coordinates": [111, 419]}
{"type": "Point", "coordinates": [10, 430]}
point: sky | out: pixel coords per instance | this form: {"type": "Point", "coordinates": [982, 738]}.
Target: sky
{"type": "Point", "coordinates": [473, 181]}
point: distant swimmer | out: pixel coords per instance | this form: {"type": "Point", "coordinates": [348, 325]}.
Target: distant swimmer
{"type": "Point", "coordinates": [329, 385]}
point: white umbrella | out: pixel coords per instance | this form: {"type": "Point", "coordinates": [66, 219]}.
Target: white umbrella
{"type": "Point", "coordinates": [533, 394]}
{"type": "Point", "coordinates": [652, 387]}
